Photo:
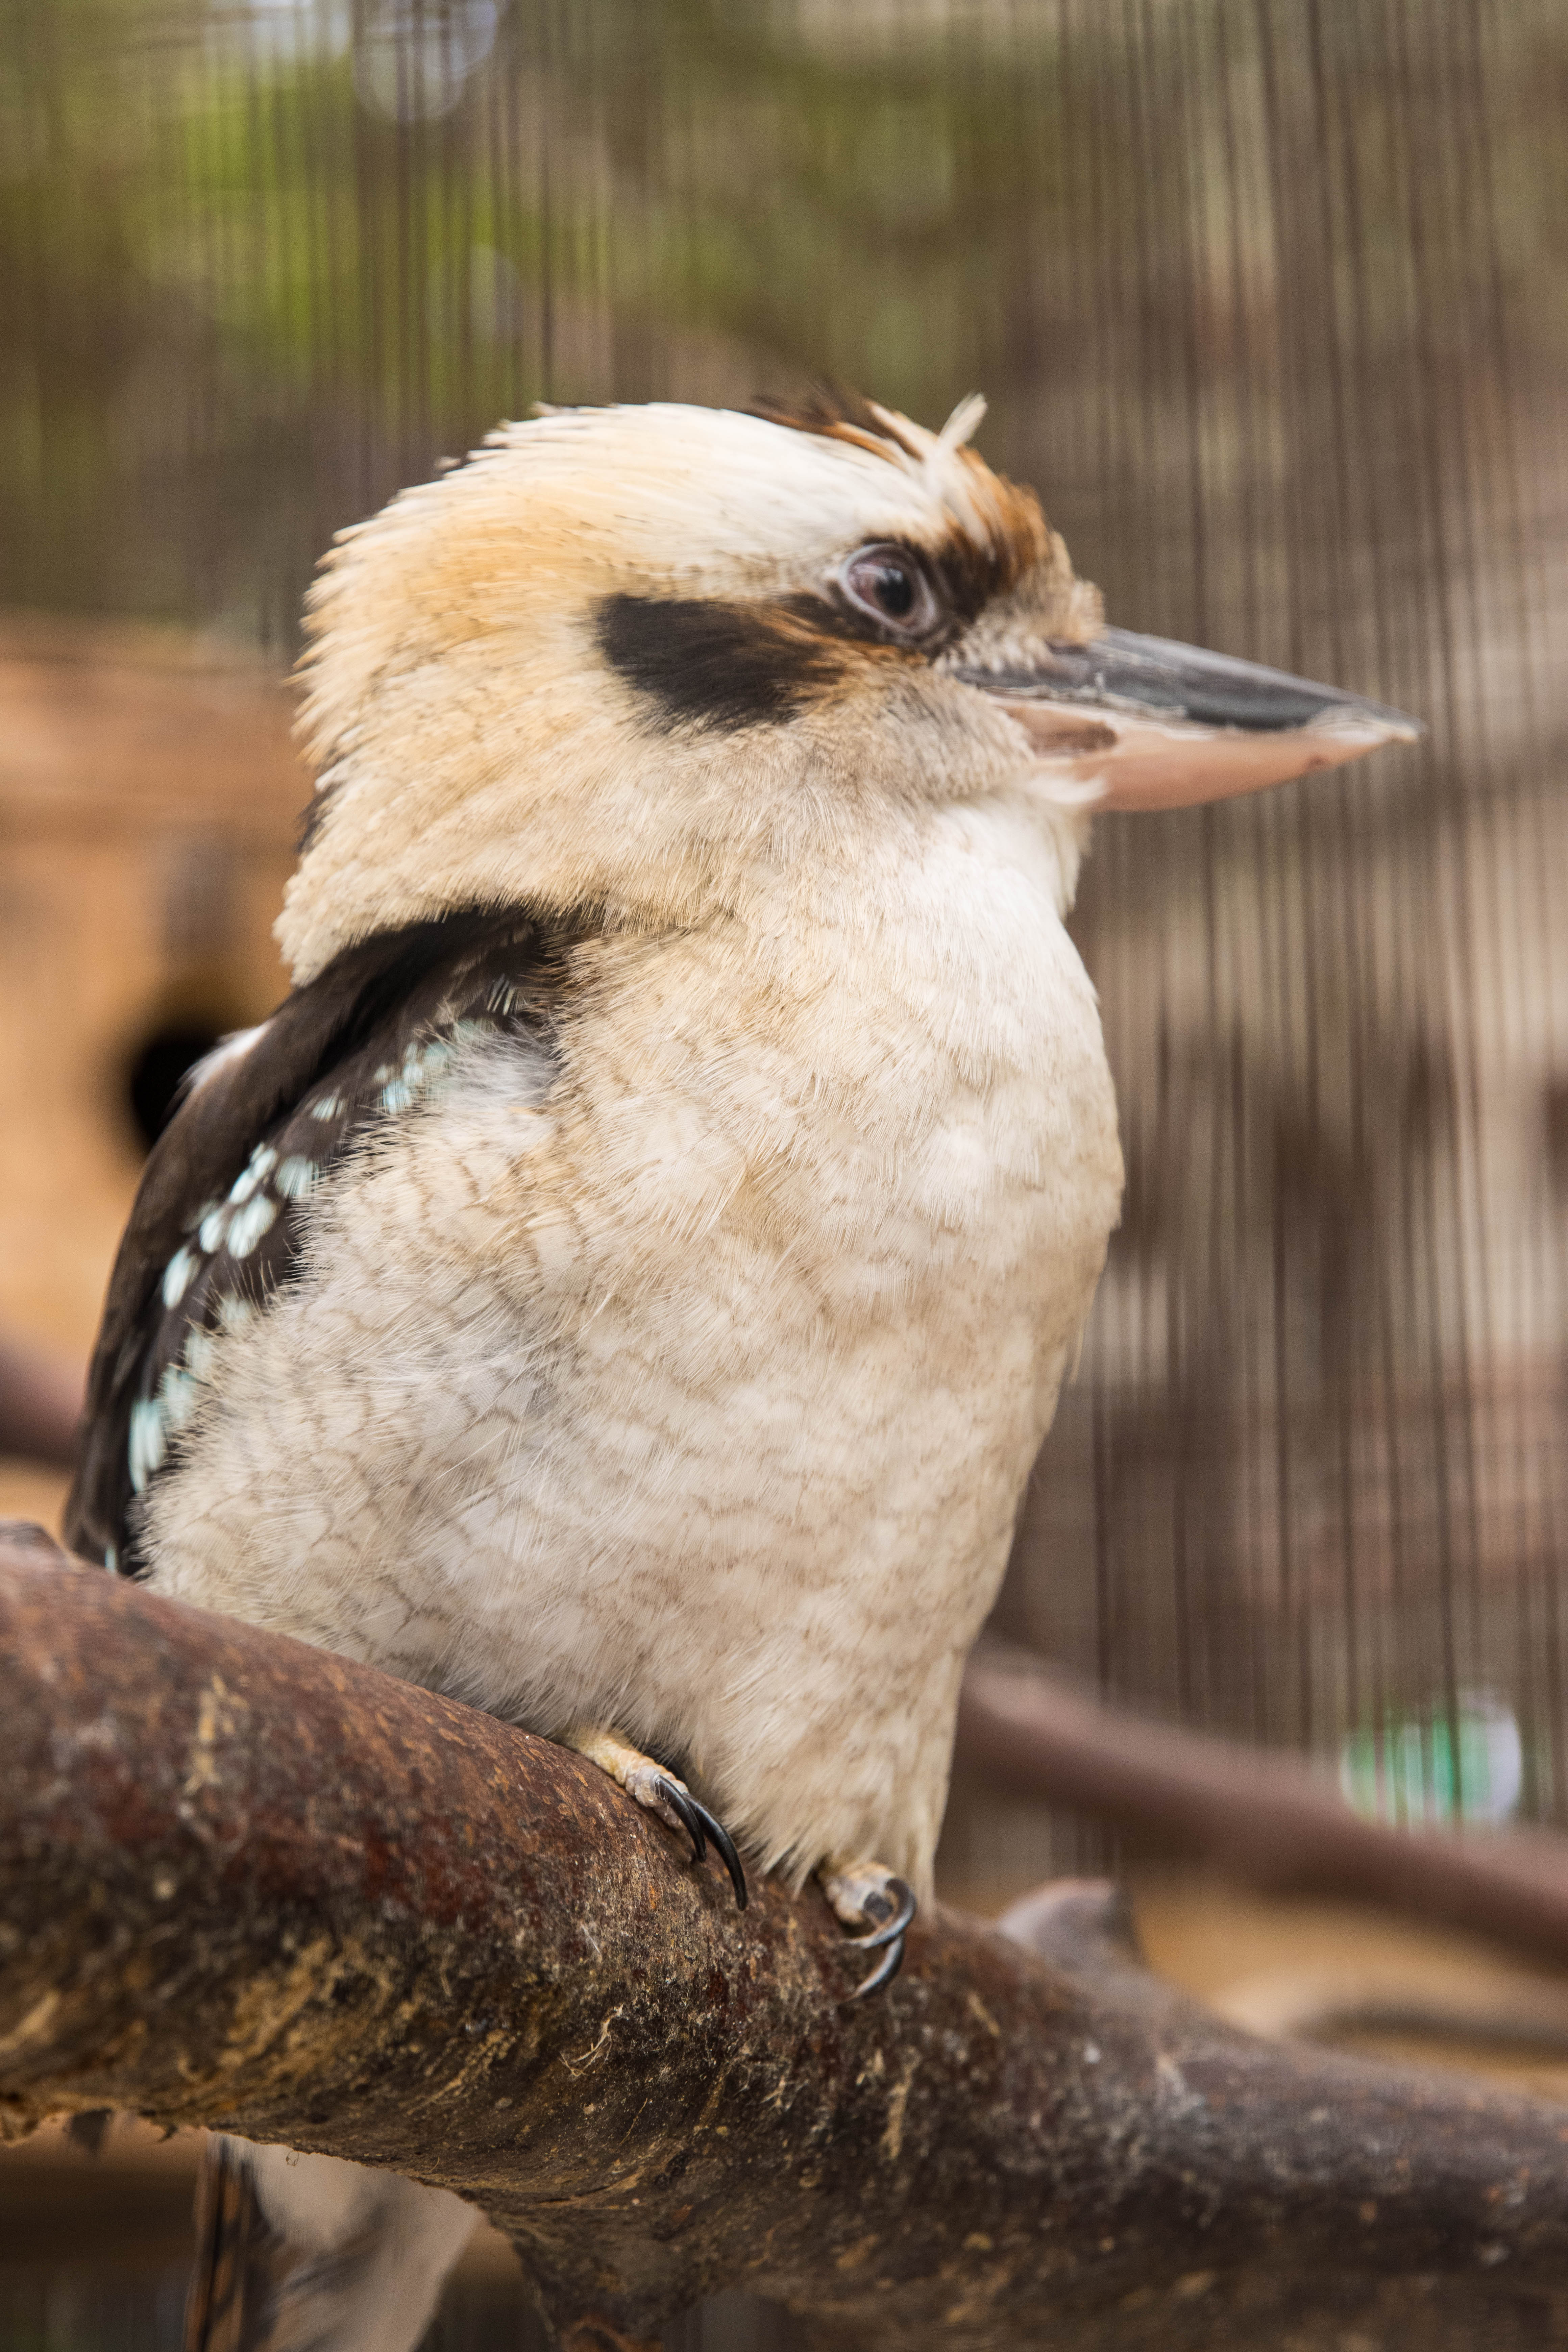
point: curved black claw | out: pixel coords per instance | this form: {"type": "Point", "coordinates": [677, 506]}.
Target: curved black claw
{"type": "Point", "coordinates": [891, 1933]}
{"type": "Point", "coordinates": [724, 1847]}
{"type": "Point", "coordinates": [886, 1970]}
{"type": "Point", "coordinates": [700, 1826]}
{"type": "Point", "coordinates": [691, 1813]}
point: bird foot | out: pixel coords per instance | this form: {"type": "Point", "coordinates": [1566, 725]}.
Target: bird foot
{"type": "Point", "coordinates": [867, 1895]}
{"type": "Point", "coordinates": [661, 1793]}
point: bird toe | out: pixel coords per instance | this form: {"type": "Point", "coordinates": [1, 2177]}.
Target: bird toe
{"type": "Point", "coordinates": [867, 1895]}
{"type": "Point", "coordinates": [662, 1793]}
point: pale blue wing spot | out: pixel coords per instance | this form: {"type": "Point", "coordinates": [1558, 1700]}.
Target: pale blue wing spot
{"type": "Point", "coordinates": [212, 1227]}
{"type": "Point", "coordinates": [178, 1275]}
{"type": "Point", "coordinates": [327, 1107]}
{"type": "Point", "coordinates": [234, 1312]}
{"type": "Point", "coordinates": [396, 1097]}
{"type": "Point", "coordinates": [148, 1443]}
{"type": "Point", "coordinates": [263, 1161]}
{"type": "Point", "coordinates": [248, 1224]}
{"type": "Point", "coordinates": [200, 1350]}
{"type": "Point", "coordinates": [177, 1393]}
{"type": "Point", "coordinates": [111, 1559]}
{"type": "Point", "coordinates": [296, 1177]}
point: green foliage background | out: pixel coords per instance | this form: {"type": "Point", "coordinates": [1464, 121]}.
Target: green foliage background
{"type": "Point", "coordinates": [1234, 273]}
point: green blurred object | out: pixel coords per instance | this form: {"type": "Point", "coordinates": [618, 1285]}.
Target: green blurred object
{"type": "Point", "coordinates": [1429, 1769]}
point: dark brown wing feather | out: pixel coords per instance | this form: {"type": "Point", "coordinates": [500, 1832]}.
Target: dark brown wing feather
{"type": "Point", "coordinates": [216, 1225]}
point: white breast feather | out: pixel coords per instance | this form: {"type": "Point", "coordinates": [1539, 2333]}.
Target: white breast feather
{"type": "Point", "coordinates": [698, 1395]}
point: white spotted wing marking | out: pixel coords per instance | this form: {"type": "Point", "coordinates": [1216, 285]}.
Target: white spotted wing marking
{"type": "Point", "coordinates": [219, 1221]}
{"type": "Point", "coordinates": [213, 1258]}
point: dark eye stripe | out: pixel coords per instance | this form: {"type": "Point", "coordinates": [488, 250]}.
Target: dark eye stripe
{"type": "Point", "coordinates": [709, 663]}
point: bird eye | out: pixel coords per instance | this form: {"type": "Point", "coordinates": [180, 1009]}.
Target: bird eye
{"type": "Point", "coordinates": [892, 586]}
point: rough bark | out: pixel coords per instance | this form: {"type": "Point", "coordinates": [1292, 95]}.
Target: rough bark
{"type": "Point", "coordinates": [1266, 1821]}
{"type": "Point", "coordinates": [245, 1881]}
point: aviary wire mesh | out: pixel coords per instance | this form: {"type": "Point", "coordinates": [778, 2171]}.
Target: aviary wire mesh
{"type": "Point", "coordinates": [1267, 299]}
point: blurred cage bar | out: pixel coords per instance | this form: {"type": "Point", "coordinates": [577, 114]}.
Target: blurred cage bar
{"type": "Point", "coordinates": [1267, 299]}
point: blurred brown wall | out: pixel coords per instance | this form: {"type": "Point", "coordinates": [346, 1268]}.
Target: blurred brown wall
{"type": "Point", "coordinates": [149, 798]}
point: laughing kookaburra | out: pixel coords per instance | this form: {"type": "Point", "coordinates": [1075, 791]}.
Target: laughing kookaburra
{"type": "Point", "coordinates": [626, 1283]}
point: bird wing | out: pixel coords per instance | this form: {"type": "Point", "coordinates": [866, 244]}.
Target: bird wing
{"type": "Point", "coordinates": [218, 1222]}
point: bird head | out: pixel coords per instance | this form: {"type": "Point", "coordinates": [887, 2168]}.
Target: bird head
{"type": "Point", "coordinates": [648, 658]}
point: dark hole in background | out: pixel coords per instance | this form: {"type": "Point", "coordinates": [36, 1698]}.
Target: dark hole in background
{"type": "Point", "coordinates": [156, 1066]}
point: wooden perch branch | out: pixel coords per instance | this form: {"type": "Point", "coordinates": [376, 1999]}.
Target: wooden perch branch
{"type": "Point", "coordinates": [242, 1881]}
{"type": "Point", "coordinates": [1268, 1820]}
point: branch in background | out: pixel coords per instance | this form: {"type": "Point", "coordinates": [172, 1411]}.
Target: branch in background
{"type": "Point", "coordinates": [245, 1881]}
{"type": "Point", "coordinates": [40, 1404]}
{"type": "Point", "coordinates": [1265, 1820]}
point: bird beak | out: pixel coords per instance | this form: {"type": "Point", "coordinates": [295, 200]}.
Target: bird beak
{"type": "Point", "coordinates": [1156, 725]}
